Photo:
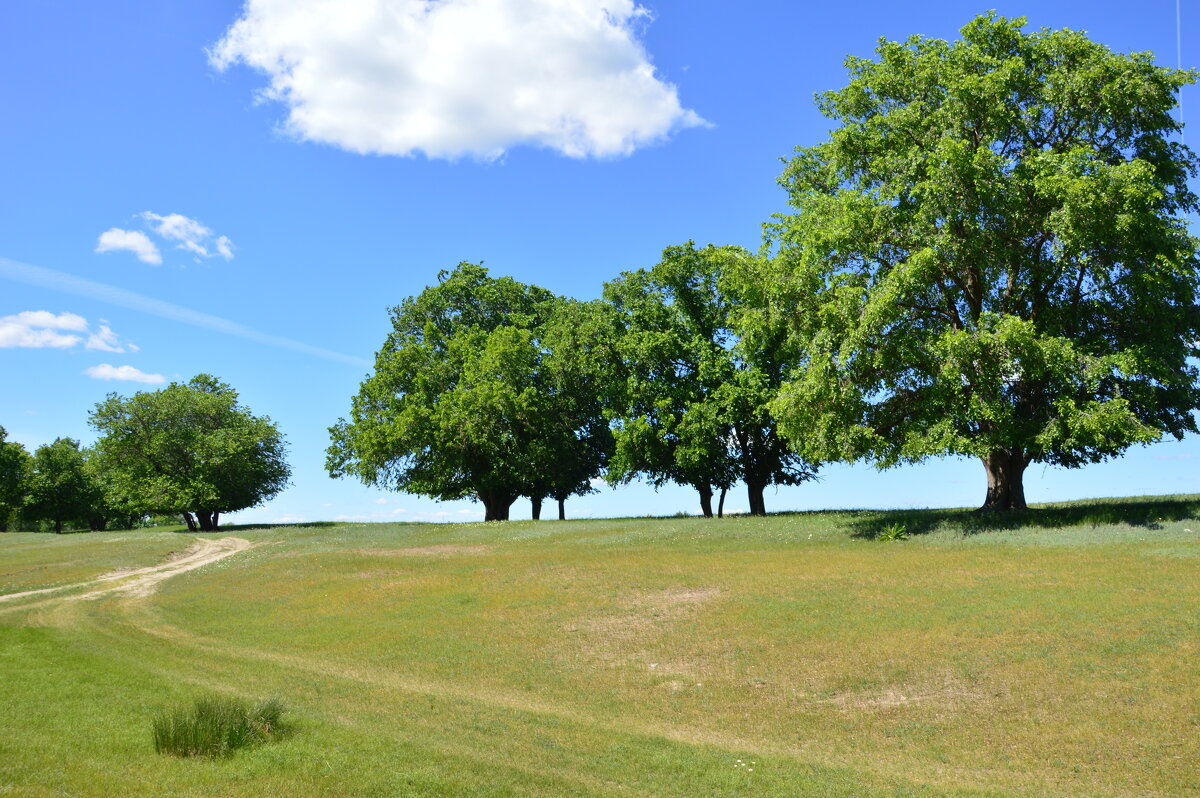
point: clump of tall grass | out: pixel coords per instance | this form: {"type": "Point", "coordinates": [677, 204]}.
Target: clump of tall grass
{"type": "Point", "coordinates": [216, 725]}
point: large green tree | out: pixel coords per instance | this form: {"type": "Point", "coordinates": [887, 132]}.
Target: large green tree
{"type": "Point", "coordinates": [60, 490]}
{"type": "Point", "coordinates": [15, 473]}
{"type": "Point", "coordinates": [989, 257]}
{"type": "Point", "coordinates": [694, 406]}
{"type": "Point", "coordinates": [190, 449]}
{"type": "Point", "coordinates": [462, 402]}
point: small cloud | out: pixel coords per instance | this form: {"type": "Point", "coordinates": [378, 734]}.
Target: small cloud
{"type": "Point", "coordinates": [192, 236]}
{"type": "Point", "coordinates": [288, 519]}
{"type": "Point", "coordinates": [31, 412]}
{"type": "Point", "coordinates": [124, 373]}
{"type": "Point", "coordinates": [39, 329]}
{"type": "Point", "coordinates": [225, 247]}
{"type": "Point", "coordinates": [135, 241]}
{"type": "Point", "coordinates": [381, 501]}
{"type": "Point", "coordinates": [105, 340]}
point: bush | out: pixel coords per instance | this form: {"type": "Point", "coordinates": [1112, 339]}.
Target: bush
{"type": "Point", "coordinates": [216, 726]}
{"type": "Point", "coordinates": [894, 532]}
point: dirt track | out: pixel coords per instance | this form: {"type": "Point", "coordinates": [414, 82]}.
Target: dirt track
{"type": "Point", "coordinates": [143, 581]}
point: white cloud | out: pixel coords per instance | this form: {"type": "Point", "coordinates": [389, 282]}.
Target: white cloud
{"type": "Point", "coordinates": [125, 373]}
{"type": "Point", "coordinates": [192, 236]}
{"type": "Point", "coordinates": [459, 77]}
{"type": "Point", "coordinates": [381, 501]}
{"type": "Point", "coordinates": [135, 241]}
{"type": "Point", "coordinates": [225, 247]}
{"type": "Point", "coordinates": [289, 519]}
{"type": "Point", "coordinates": [105, 340]}
{"type": "Point", "coordinates": [39, 329]}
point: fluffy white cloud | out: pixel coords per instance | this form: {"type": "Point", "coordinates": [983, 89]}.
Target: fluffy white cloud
{"type": "Point", "coordinates": [191, 234]}
{"type": "Point", "coordinates": [125, 373]}
{"type": "Point", "coordinates": [135, 241]}
{"type": "Point", "coordinates": [38, 329]}
{"type": "Point", "coordinates": [458, 77]}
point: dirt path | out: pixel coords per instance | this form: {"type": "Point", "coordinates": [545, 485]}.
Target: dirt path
{"type": "Point", "coordinates": [143, 581]}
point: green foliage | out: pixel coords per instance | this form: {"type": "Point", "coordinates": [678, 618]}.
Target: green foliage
{"type": "Point", "coordinates": [216, 726]}
{"type": "Point", "coordinates": [990, 257]}
{"type": "Point", "coordinates": [15, 474]}
{"type": "Point", "coordinates": [694, 409]}
{"type": "Point", "coordinates": [893, 532]}
{"type": "Point", "coordinates": [60, 490]}
{"type": "Point", "coordinates": [473, 394]}
{"type": "Point", "coordinates": [189, 448]}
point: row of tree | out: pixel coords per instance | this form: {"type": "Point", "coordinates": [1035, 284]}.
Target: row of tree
{"type": "Point", "coordinates": [989, 257]}
{"type": "Point", "coordinates": [190, 450]}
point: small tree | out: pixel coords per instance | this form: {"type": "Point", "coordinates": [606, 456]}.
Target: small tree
{"type": "Point", "coordinates": [990, 258]}
{"type": "Point", "coordinates": [189, 449]}
{"type": "Point", "coordinates": [60, 491]}
{"type": "Point", "coordinates": [15, 474]}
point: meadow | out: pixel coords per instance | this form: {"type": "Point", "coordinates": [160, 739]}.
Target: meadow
{"type": "Point", "coordinates": [1051, 653]}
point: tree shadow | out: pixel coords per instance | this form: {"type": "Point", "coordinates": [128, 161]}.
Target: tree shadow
{"type": "Point", "coordinates": [253, 527]}
{"type": "Point", "coordinates": [1149, 513]}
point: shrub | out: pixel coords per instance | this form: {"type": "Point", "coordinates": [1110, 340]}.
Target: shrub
{"type": "Point", "coordinates": [216, 726]}
{"type": "Point", "coordinates": [894, 532]}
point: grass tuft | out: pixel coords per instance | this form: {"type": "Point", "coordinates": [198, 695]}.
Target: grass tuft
{"type": "Point", "coordinates": [216, 726]}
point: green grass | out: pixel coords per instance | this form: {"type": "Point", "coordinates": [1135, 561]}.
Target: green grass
{"type": "Point", "coordinates": [1053, 654]}
{"type": "Point", "coordinates": [216, 725]}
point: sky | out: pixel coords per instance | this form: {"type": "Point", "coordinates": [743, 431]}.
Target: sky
{"type": "Point", "coordinates": [245, 189]}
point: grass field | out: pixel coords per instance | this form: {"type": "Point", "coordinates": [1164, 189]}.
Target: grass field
{"type": "Point", "coordinates": [790, 655]}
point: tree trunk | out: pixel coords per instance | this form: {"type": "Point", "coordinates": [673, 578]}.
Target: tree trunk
{"type": "Point", "coordinates": [562, 509]}
{"type": "Point", "coordinates": [190, 520]}
{"type": "Point", "coordinates": [495, 504]}
{"type": "Point", "coordinates": [705, 500]}
{"type": "Point", "coordinates": [721, 503]}
{"type": "Point", "coordinates": [58, 526]}
{"type": "Point", "coordinates": [536, 502]}
{"type": "Point", "coordinates": [1005, 480]}
{"type": "Point", "coordinates": [204, 520]}
{"type": "Point", "coordinates": [216, 518]}
{"type": "Point", "coordinates": [755, 492]}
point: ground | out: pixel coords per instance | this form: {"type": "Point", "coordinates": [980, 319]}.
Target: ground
{"type": "Point", "coordinates": [1050, 654]}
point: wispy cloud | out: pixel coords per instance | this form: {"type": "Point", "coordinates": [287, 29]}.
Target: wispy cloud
{"type": "Point", "coordinates": [191, 234]}
{"type": "Point", "coordinates": [78, 286]}
{"type": "Point", "coordinates": [117, 240]}
{"type": "Point", "coordinates": [124, 373]}
{"type": "Point", "coordinates": [41, 329]}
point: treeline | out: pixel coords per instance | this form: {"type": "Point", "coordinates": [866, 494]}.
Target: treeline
{"type": "Point", "coordinates": [494, 389]}
{"type": "Point", "coordinates": [989, 258]}
{"type": "Point", "coordinates": [189, 451]}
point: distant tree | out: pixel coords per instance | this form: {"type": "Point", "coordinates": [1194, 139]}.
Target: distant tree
{"type": "Point", "coordinates": [694, 408]}
{"type": "Point", "coordinates": [472, 396]}
{"type": "Point", "coordinates": [990, 258]}
{"type": "Point", "coordinates": [60, 491]}
{"type": "Point", "coordinates": [15, 475]}
{"type": "Point", "coordinates": [113, 505]}
{"type": "Point", "coordinates": [189, 449]}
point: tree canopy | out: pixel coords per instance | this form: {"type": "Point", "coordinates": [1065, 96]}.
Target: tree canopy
{"type": "Point", "coordinates": [190, 448]}
{"type": "Point", "coordinates": [15, 474]}
{"type": "Point", "coordinates": [465, 400]}
{"type": "Point", "coordinates": [694, 408]}
{"type": "Point", "coordinates": [989, 257]}
{"type": "Point", "coordinates": [60, 490]}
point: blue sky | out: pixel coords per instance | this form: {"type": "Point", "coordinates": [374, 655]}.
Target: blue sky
{"type": "Point", "coordinates": [137, 132]}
